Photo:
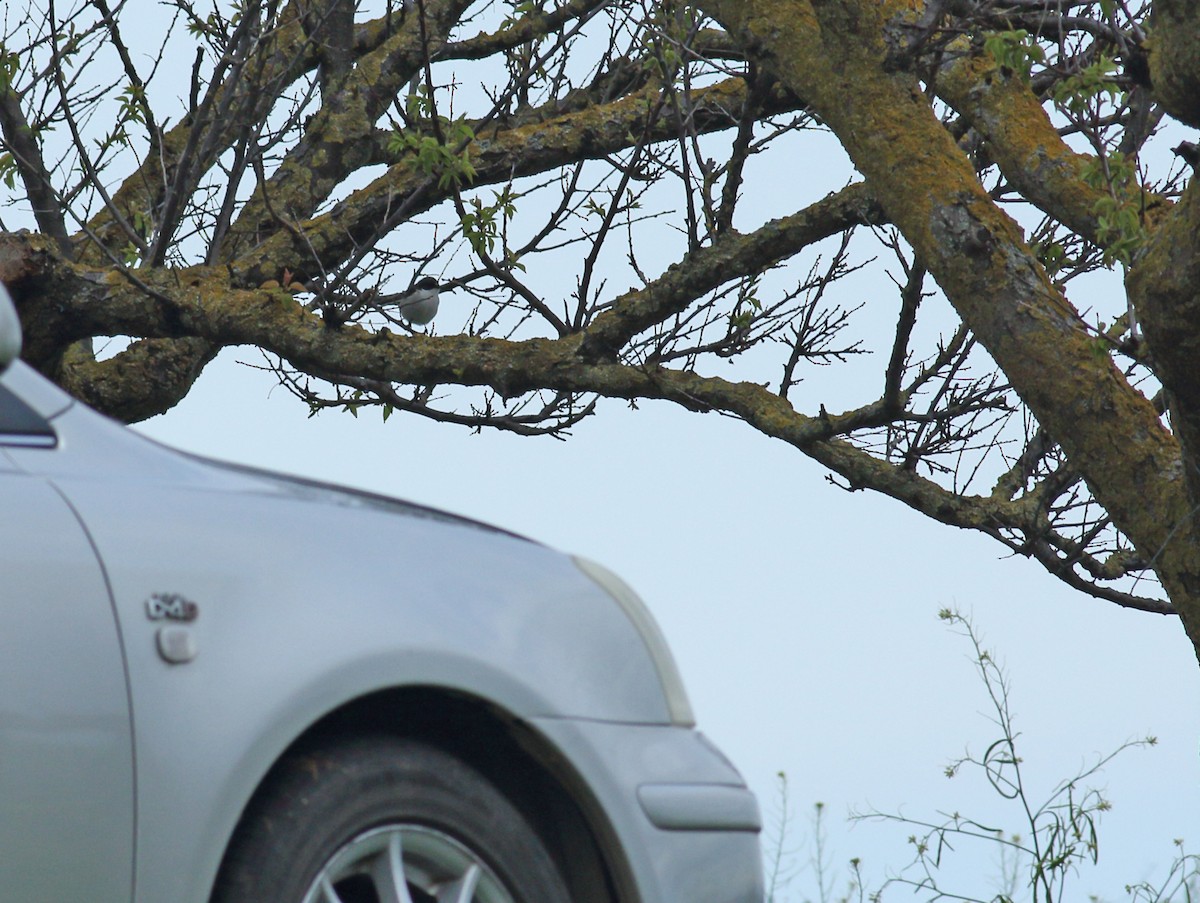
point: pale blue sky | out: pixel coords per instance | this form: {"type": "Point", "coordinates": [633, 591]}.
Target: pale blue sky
{"type": "Point", "coordinates": [803, 617]}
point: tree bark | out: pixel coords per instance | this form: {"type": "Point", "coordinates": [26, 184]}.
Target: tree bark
{"type": "Point", "coordinates": [838, 55]}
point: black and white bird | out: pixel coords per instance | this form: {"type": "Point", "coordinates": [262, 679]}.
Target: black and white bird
{"type": "Point", "coordinates": [419, 304]}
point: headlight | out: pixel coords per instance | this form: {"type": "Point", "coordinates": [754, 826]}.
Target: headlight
{"type": "Point", "coordinates": [678, 706]}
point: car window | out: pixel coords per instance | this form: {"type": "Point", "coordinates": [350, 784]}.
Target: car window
{"type": "Point", "coordinates": [22, 425]}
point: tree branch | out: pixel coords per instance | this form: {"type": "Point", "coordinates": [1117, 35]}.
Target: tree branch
{"type": "Point", "coordinates": [509, 153]}
{"type": "Point", "coordinates": [21, 142]}
{"type": "Point", "coordinates": [834, 54]}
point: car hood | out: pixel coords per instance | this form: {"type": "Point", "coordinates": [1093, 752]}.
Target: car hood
{"type": "Point", "coordinates": [90, 440]}
{"type": "Point", "coordinates": [262, 481]}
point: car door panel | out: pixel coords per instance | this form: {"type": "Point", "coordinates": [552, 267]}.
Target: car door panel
{"type": "Point", "coordinates": [66, 769]}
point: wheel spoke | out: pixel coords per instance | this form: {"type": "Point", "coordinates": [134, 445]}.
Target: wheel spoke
{"type": "Point", "coordinates": [399, 860]}
{"type": "Point", "coordinates": [328, 893]}
{"type": "Point", "coordinates": [462, 890]}
{"type": "Point", "coordinates": [388, 872]}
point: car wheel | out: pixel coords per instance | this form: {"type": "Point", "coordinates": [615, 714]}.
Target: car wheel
{"type": "Point", "coordinates": [384, 820]}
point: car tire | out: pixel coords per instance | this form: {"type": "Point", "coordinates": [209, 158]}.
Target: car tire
{"type": "Point", "coordinates": [384, 820]}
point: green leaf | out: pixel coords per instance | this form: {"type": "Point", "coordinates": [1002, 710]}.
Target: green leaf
{"type": "Point", "coordinates": [1015, 51]}
{"type": "Point", "coordinates": [8, 170]}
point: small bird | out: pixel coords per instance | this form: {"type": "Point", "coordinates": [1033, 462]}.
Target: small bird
{"type": "Point", "coordinates": [420, 303]}
{"type": "Point", "coordinates": [1189, 152]}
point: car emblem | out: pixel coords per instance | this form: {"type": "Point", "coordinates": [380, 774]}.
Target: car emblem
{"type": "Point", "coordinates": [171, 607]}
{"type": "Point", "coordinates": [175, 643]}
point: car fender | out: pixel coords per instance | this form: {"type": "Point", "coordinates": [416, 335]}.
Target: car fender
{"type": "Point", "coordinates": [248, 612]}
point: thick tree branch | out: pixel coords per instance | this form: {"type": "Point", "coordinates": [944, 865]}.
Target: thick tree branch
{"type": "Point", "coordinates": [1174, 50]}
{"type": "Point", "coordinates": [278, 58]}
{"type": "Point", "coordinates": [1021, 139]}
{"type": "Point", "coordinates": [146, 379]}
{"type": "Point", "coordinates": [1165, 288]}
{"type": "Point", "coordinates": [21, 142]}
{"type": "Point", "coordinates": [607, 145]}
{"type": "Point", "coordinates": [336, 140]}
{"type": "Point", "coordinates": [834, 54]}
{"type": "Point", "coordinates": [707, 268]}
{"type": "Point", "coordinates": [199, 310]}
{"type": "Point", "coordinates": [534, 24]}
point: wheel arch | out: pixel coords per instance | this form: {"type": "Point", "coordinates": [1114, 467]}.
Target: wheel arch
{"type": "Point", "coordinates": [512, 755]}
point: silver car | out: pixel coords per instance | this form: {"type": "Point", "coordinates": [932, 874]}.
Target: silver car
{"type": "Point", "coordinates": [222, 684]}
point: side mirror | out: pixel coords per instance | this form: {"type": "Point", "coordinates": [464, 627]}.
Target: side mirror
{"type": "Point", "coordinates": [10, 330]}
